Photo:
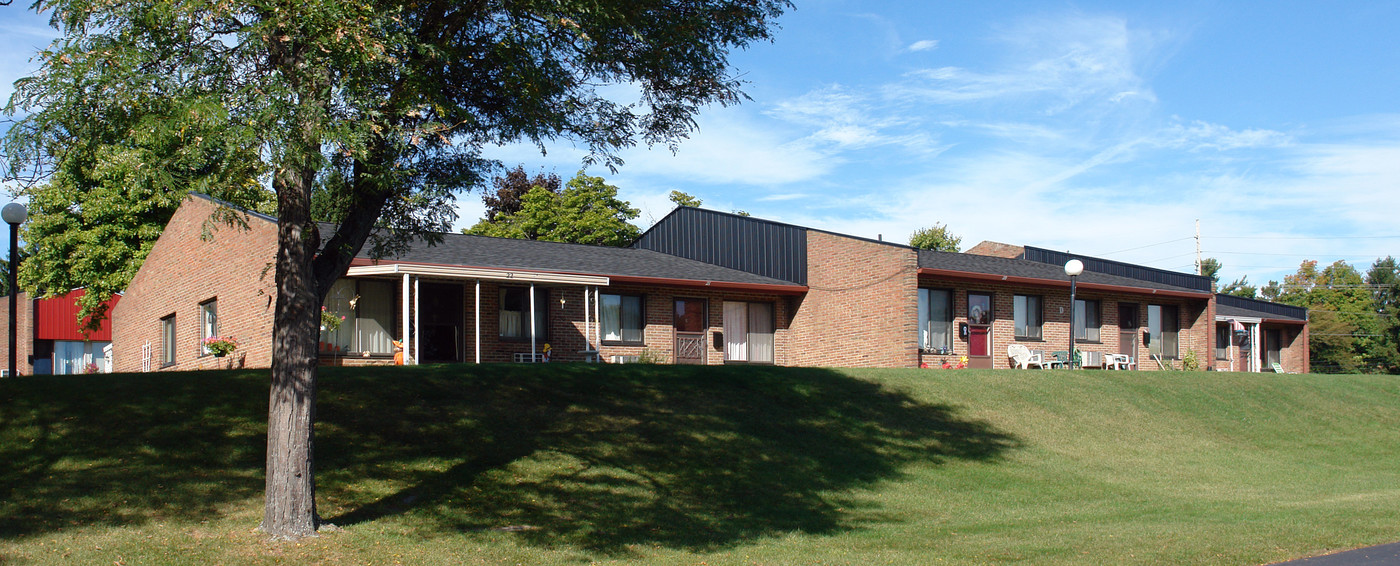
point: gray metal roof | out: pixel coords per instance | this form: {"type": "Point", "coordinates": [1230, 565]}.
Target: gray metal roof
{"type": "Point", "coordinates": [1231, 306]}
{"type": "Point", "coordinates": [488, 252]}
{"type": "Point", "coordinates": [989, 265]}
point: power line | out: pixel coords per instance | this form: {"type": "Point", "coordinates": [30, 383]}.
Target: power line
{"type": "Point", "coordinates": [1307, 237]}
{"type": "Point", "coordinates": [1147, 246]}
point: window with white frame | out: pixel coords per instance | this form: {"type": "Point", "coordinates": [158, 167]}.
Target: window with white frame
{"type": "Point", "coordinates": [1029, 317]}
{"type": "Point", "coordinates": [1087, 320]}
{"type": "Point", "coordinates": [748, 332]}
{"type": "Point", "coordinates": [208, 324]}
{"type": "Point", "coordinates": [936, 320]}
{"type": "Point", "coordinates": [621, 317]}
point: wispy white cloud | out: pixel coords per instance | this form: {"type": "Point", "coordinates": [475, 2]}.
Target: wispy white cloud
{"type": "Point", "coordinates": [1199, 135]}
{"type": "Point", "coordinates": [1065, 61]}
{"type": "Point", "coordinates": [923, 45]}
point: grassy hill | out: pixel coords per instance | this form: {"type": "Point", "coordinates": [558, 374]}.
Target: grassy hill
{"type": "Point", "coordinates": [579, 464]}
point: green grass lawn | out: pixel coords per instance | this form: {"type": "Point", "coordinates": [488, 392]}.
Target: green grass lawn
{"type": "Point", "coordinates": [638, 464]}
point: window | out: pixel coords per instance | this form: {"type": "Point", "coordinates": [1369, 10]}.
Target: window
{"type": "Point", "coordinates": [936, 320]}
{"type": "Point", "coordinates": [1222, 341]}
{"type": "Point", "coordinates": [167, 340]}
{"type": "Point", "coordinates": [368, 308]}
{"type": "Point", "coordinates": [748, 332]}
{"type": "Point", "coordinates": [1028, 315]}
{"type": "Point", "coordinates": [1162, 326]}
{"type": "Point", "coordinates": [515, 317]}
{"type": "Point", "coordinates": [208, 323]}
{"type": "Point", "coordinates": [1087, 321]}
{"type": "Point", "coordinates": [621, 318]}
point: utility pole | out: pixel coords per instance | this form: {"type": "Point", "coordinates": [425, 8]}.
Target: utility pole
{"type": "Point", "coordinates": [1198, 247]}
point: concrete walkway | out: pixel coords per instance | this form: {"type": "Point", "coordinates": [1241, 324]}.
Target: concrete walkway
{"type": "Point", "coordinates": [1383, 555]}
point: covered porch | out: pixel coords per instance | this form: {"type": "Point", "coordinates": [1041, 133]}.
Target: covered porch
{"type": "Point", "coordinates": [438, 313]}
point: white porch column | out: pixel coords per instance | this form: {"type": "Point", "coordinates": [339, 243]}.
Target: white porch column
{"type": "Point", "coordinates": [1254, 348]}
{"type": "Point", "coordinates": [417, 350]}
{"type": "Point", "coordinates": [587, 340]}
{"type": "Point", "coordinates": [533, 354]}
{"type": "Point", "coordinates": [478, 321]}
{"type": "Point", "coordinates": [598, 316]}
{"type": "Point", "coordinates": [407, 290]}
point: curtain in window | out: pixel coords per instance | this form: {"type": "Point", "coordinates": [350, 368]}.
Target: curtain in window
{"type": "Point", "coordinates": [611, 317]}
{"type": "Point", "coordinates": [1169, 331]}
{"type": "Point", "coordinates": [209, 323]}
{"type": "Point", "coordinates": [376, 317]}
{"type": "Point", "coordinates": [760, 336]}
{"type": "Point", "coordinates": [632, 319]}
{"type": "Point", "coordinates": [338, 305]}
{"type": "Point", "coordinates": [1086, 321]}
{"type": "Point", "coordinates": [936, 323]}
{"type": "Point", "coordinates": [736, 330]}
{"type": "Point", "coordinates": [68, 357]}
{"type": "Point", "coordinates": [1026, 313]}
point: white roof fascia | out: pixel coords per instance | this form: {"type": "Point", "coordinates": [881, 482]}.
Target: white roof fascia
{"type": "Point", "coordinates": [475, 273]}
{"type": "Point", "coordinates": [1241, 319]}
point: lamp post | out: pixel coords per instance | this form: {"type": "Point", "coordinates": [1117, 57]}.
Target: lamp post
{"type": "Point", "coordinates": [1073, 268]}
{"type": "Point", "coordinates": [14, 215]}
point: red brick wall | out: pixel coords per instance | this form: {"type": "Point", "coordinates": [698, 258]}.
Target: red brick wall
{"type": "Point", "coordinates": [181, 272]}
{"type": "Point", "coordinates": [24, 341]}
{"type": "Point", "coordinates": [997, 249]}
{"type": "Point", "coordinates": [861, 309]}
{"type": "Point", "coordinates": [1194, 332]}
{"type": "Point", "coordinates": [568, 336]}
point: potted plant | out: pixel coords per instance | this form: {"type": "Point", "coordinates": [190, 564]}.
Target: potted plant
{"type": "Point", "coordinates": [220, 346]}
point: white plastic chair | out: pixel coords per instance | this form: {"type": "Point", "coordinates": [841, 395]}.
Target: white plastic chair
{"type": "Point", "coordinates": [1019, 354]}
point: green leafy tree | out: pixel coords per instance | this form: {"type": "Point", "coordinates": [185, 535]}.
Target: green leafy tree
{"type": "Point", "coordinates": [511, 187]}
{"type": "Point", "coordinates": [374, 114]}
{"type": "Point", "coordinates": [1241, 288]}
{"type": "Point", "coordinates": [587, 211]}
{"type": "Point", "coordinates": [936, 237]}
{"type": "Point", "coordinates": [1384, 281]}
{"type": "Point", "coordinates": [1342, 326]}
{"type": "Point", "coordinates": [683, 199]}
{"type": "Point", "coordinates": [1210, 267]}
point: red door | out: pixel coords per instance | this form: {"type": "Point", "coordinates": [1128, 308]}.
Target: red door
{"type": "Point", "coordinates": [979, 323]}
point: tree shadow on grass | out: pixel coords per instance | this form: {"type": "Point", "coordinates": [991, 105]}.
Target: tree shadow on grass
{"type": "Point", "coordinates": [604, 457]}
{"type": "Point", "coordinates": [127, 449]}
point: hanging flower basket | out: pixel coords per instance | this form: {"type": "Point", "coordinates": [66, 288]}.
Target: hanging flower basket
{"type": "Point", "coordinates": [220, 346]}
{"type": "Point", "coordinates": [329, 321]}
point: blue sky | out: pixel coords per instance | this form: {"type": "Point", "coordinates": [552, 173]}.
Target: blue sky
{"type": "Point", "coordinates": [1102, 128]}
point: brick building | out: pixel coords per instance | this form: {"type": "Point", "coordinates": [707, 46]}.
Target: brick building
{"type": "Point", "coordinates": [698, 287]}
{"type": "Point", "coordinates": [51, 339]}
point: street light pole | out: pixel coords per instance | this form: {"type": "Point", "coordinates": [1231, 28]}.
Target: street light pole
{"type": "Point", "coordinates": [1073, 268]}
{"type": "Point", "coordinates": [14, 214]}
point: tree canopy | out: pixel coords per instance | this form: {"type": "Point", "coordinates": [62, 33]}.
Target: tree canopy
{"type": "Point", "coordinates": [586, 211]}
{"type": "Point", "coordinates": [374, 113]}
{"type": "Point", "coordinates": [684, 199]}
{"type": "Point", "coordinates": [1348, 332]}
{"type": "Point", "coordinates": [511, 187]}
{"type": "Point", "coordinates": [936, 237]}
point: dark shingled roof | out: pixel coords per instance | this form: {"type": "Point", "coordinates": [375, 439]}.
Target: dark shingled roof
{"type": "Point", "coordinates": [1231, 306]}
{"type": "Point", "coordinates": [506, 253]}
{"type": "Point", "coordinates": [989, 265]}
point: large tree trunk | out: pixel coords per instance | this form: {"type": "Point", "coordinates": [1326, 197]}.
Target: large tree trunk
{"type": "Point", "coordinates": [290, 510]}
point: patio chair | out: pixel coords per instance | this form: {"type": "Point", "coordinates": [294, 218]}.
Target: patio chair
{"type": "Point", "coordinates": [1117, 361]}
{"type": "Point", "coordinates": [1019, 354]}
{"type": "Point", "coordinates": [1059, 358]}
{"type": "Point", "coordinates": [1037, 359]}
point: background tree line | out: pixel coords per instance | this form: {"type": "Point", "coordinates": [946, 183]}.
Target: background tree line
{"type": "Point", "coordinates": [1353, 318]}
